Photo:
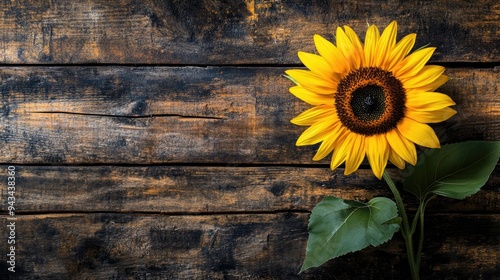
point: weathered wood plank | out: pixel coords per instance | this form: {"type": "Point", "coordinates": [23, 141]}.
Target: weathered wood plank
{"type": "Point", "coordinates": [266, 246]}
{"type": "Point", "coordinates": [230, 32]}
{"type": "Point", "coordinates": [150, 115]}
{"type": "Point", "coordinates": [202, 190]}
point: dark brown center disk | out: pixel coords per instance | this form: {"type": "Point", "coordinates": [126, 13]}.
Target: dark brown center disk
{"type": "Point", "coordinates": [370, 101]}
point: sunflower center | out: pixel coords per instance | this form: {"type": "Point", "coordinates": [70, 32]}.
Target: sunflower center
{"type": "Point", "coordinates": [370, 101]}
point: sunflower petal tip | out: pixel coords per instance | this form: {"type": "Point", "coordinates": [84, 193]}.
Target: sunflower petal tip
{"type": "Point", "coordinates": [376, 171]}
{"type": "Point", "coordinates": [436, 145]}
{"type": "Point", "coordinates": [413, 160]}
{"type": "Point", "coordinates": [299, 142]}
{"type": "Point", "coordinates": [332, 167]}
{"type": "Point", "coordinates": [347, 172]}
{"type": "Point", "coordinates": [317, 158]}
{"type": "Point", "coordinates": [452, 112]}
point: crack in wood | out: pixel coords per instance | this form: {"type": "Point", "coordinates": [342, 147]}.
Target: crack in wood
{"type": "Point", "coordinates": [127, 116]}
{"type": "Point", "coordinates": [164, 213]}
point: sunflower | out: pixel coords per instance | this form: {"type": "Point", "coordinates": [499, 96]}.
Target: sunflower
{"type": "Point", "coordinates": [373, 99]}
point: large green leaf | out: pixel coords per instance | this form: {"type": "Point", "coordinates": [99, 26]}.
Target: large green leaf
{"type": "Point", "coordinates": [455, 170]}
{"type": "Point", "coordinates": [337, 227]}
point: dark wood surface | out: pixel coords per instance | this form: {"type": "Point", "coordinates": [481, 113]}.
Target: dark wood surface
{"type": "Point", "coordinates": [152, 139]}
{"type": "Point", "coordinates": [204, 190]}
{"type": "Point", "coordinates": [230, 31]}
{"type": "Point", "coordinates": [250, 245]}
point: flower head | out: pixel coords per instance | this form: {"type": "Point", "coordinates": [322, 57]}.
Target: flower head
{"type": "Point", "coordinates": [373, 99]}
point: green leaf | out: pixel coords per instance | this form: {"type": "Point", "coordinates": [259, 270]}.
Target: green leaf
{"type": "Point", "coordinates": [455, 170]}
{"type": "Point", "coordinates": [337, 227]}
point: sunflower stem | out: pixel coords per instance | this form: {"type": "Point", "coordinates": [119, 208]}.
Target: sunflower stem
{"type": "Point", "coordinates": [406, 230]}
{"type": "Point", "coordinates": [420, 213]}
{"type": "Point", "coordinates": [421, 236]}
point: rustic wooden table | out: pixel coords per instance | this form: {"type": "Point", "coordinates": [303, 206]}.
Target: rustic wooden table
{"type": "Point", "coordinates": [152, 139]}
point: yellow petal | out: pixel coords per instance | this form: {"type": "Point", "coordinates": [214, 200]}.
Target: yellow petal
{"type": "Point", "coordinates": [435, 116]}
{"type": "Point", "coordinates": [396, 160]}
{"type": "Point", "coordinates": [316, 132]}
{"type": "Point", "coordinates": [356, 42]}
{"type": "Point", "coordinates": [427, 75]}
{"type": "Point", "coordinates": [412, 64]}
{"type": "Point", "coordinates": [401, 49]}
{"type": "Point", "coordinates": [330, 141]}
{"type": "Point", "coordinates": [341, 150]}
{"type": "Point", "coordinates": [402, 146]}
{"type": "Point", "coordinates": [311, 97]}
{"type": "Point", "coordinates": [428, 101]}
{"type": "Point", "coordinates": [386, 44]}
{"type": "Point", "coordinates": [418, 133]}
{"type": "Point", "coordinates": [319, 66]}
{"type": "Point", "coordinates": [377, 152]}
{"type": "Point", "coordinates": [332, 55]}
{"type": "Point", "coordinates": [356, 155]}
{"type": "Point", "coordinates": [315, 114]}
{"type": "Point", "coordinates": [312, 82]}
{"type": "Point", "coordinates": [371, 40]}
{"type": "Point", "coordinates": [347, 48]}
{"type": "Point", "coordinates": [431, 86]}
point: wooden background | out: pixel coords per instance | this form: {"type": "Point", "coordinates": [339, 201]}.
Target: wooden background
{"type": "Point", "coordinates": [152, 140]}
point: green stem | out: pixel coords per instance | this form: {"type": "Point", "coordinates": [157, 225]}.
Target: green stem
{"type": "Point", "coordinates": [421, 210]}
{"type": "Point", "coordinates": [421, 236]}
{"type": "Point", "coordinates": [416, 219]}
{"type": "Point", "coordinates": [405, 229]}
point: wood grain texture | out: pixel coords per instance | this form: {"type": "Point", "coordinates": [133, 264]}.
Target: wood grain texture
{"type": "Point", "coordinates": [212, 32]}
{"type": "Point", "coordinates": [257, 246]}
{"type": "Point", "coordinates": [145, 115]}
{"type": "Point", "coordinates": [208, 190]}
{"type": "Point", "coordinates": [152, 139]}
